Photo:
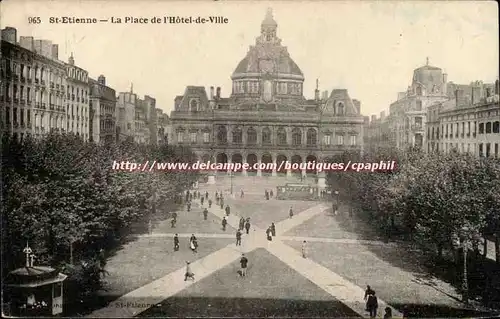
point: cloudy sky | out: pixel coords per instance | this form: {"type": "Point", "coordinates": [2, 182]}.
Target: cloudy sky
{"type": "Point", "coordinates": [369, 48]}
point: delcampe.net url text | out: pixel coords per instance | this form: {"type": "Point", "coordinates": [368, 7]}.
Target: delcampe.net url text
{"type": "Point", "coordinates": [151, 166]}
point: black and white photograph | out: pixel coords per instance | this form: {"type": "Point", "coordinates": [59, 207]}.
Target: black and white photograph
{"type": "Point", "coordinates": [250, 159]}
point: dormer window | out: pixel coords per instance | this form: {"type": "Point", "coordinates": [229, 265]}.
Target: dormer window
{"type": "Point", "coordinates": [194, 105]}
{"type": "Point", "coordinates": [340, 108]}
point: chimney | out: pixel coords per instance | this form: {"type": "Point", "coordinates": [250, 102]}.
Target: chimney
{"type": "Point", "coordinates": [101, 80]}
{"type": "Point", "coordinates": [325, 95]}
{"type": "Point", "coordinates": [316, 95]}
{"type": "Point", "coordinates": [374, 118]}
{"type": "Point", "coordinates": [211, 93]}
{"type": "Point", "coordinates": [9, 34]}
{"type": "Point", "coordinates": [27, 43]}
{"type": "Point", "coordinates": [218, 92]}
{"type": "Point", "coordinates": [55, 51]}
{"type": "Point", "coordinates": [445, 81]}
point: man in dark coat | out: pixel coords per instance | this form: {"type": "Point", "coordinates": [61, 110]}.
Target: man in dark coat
{"type": "Point", "coordinates": [238, 238]}
{"type": "Point", "coordinates": [242, 194]}
{"type": "Point", "coordinates": [372, 305]}
{"type": "Point", "coordinates": [242, 223]}
{"type": "Point", "coordinates": [271, 193]}
{"type": "Point", "coordinates": [267, 195]}
{"type": "Point", "coordinates": [176, 242]}
{"type": "Point", "coordinates": [244, 264]}
{"type": "Point", "coordinates": [205, 214]}
{"type": "Point", "coordinates": [228, 210]}
{"type": "Point", "coordinates": [189, 206]}
{"type": "Point", "coordinates": [202, 199]}
{"type": "Point", "coordinates": [247, 226]}
{"type": "Point", "coordinates": [273, 229]}
{"type": "Point", "coordinates": [221, 203]}
{"type": "Point", "coordinates": [291, 212]}
{"type": "Point", "coordinates": [224, 223]}
{"type": "Point", "coordinates": [210, 203]}
{"type": "Point", "coordinates": [206, 195]}
{"type": "Point", "coordinates": [268, 233]}
{"type": "Point", "coordinates": [173, 221]}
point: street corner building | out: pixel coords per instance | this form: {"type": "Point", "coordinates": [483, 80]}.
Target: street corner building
{"type": "Point", "coordinates": [267, 119]}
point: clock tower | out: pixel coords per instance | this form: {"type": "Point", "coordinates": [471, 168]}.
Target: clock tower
{"type": "Point", "coordinates": [267, 75]}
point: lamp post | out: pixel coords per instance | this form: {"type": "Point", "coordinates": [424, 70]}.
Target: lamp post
{"type": "Point", "coordinates": [465, 283]}
{"type": "Point", "coordinates": [231, 177]}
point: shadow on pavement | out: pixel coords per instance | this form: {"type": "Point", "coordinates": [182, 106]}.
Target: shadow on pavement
{"type": "Point", "coordinates": [248, 307]}
{"type": "Point", "coordinates": [483, 274]}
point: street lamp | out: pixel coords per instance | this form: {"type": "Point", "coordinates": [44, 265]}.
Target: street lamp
{"type": "Point", "coordinates": [231, 177]}
{"type": "Point", "coordinates": [465, 247]}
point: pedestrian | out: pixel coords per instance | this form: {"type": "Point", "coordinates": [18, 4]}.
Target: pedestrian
{"type": "Point", "coordinates": [267, 195]}
{"type": "Point", "coordinates": [206, 195]}
{"type": "Point", "coordinates": [216, 198]}
{"type": "Point", "coordinates": [187, 196]}
{"type": "Point", "coordinates": [174, 215]}
{"type": "Point", "coordinates": [268, 233]}
{"type": "Point", "coordinates": [221, 203]}
{"type": "Point", "coordinates": [238, 238]}
{"type": "Point", "coordinates": [189, 274]}
{"type": "Point", "coordinates": [176, 242]}
{"type": "Point", "coordinates": [273, 229]}
{"type": "Point", "coordinates": [388, 313]}
{"type": "Point", "coordinates": [242, 194]}
{"type": "Point", "coordinates": [244, 264]}
{"type": "Point", "coordinates": [198, 194]}
{"type": "Point", "coordinates": [372, 305]}
{"type": "Point", "coordinates": [173, 221]}
{"type": "Point", "coordinates": [304, 249]}
{"type": "Point", "coordinates": [210, 203]}
{"type": "Point", "coordinates": [291, 212]}
{"type": "Point", "coordinates": [247, 226]}
{"type": "Point", "coordinates": [224, 223]}
{"type": "Point", "coordinates": [242, 224]}
{"type": "Point", "coordinates": [202, 200]}
{"type": "Point", "coordinates": [205, 214]}
{"type": "Point", "coordinates": [368, 292]}
{"type": "Point", "coordinates": [228, 210]}
{"type": "Point", "coordinates": [189, 206]}
{"type": "Point", "coordinates": [271, 193]}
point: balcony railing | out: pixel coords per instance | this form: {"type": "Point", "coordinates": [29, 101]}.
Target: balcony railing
{"type": "Point", "coordinates": [51, 106]}
{"type": "Point", "coordinates": [43, 105]}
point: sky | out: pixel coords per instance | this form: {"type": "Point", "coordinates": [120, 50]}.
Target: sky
{"type": "Point", "coordinates": [369, 48]}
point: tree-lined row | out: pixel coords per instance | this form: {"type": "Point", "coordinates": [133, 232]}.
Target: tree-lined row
{"type": "Point", "coordinates": [62, 196]}
{"type": "Point", "coordinates": [441, 201]}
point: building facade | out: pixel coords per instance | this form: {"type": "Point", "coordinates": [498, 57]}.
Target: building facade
{"type": "Point", "coordinates": [136, 118]}
{"type": "Point", "coordinates": [33, 86]}
{"type": "Point", "coordinates": [470, 123]}
{"type": "Point", "coordinates": [164, 126]}
{"type": "Point", "coordinates": [102, 104]}
{"type": "Point", "coordinates": [77, 96]}
{"type": "Point", "coordinates": [407, 117]}
{"type": "Point", "coordinates": [266, 118]}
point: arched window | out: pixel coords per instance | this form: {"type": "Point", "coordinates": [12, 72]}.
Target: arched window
{"type": "Point", "coordinates": [222, 135]}
{"type": "Point", "coordinates": [281, 136]}
{"type": "Point", "coordinates": [340, 108]}
{"type": "Point", "coordinates": [193, 105]}
{"type": "Point", "coordinates": [237, 135]}
{"type": "Point", "coordinates": [419, 90]}
{"type": "Point", "coordinates": [488, 127]}
{"type": "Point", "coordinates": [251, 136]}
{"type": "Point", "coordinates": [296, 137]}
{"type": "Point", "coordinates": [266, 136]}
{"type": "Point", "coordinates": [311, 136]}
{"type": "Point", "coordinates": [496, 127]}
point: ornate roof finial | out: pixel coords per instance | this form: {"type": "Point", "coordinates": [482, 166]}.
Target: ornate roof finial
{"type": "Point", "coordinates": [71, 59]}
{"type": "Point", "coordinates": [427, 61]}
{"type": "Point", "coordinates": [27, 250]}
{"type": "Point", "coordinates": [132, 87]}
{"type": "Point", "coordinates": [317, 84]}
{"type": "Point", "coordinates": [269, 20]}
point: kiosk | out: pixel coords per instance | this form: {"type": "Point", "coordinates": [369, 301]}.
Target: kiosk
{"type": "Point", "coordinates": [33, 290]}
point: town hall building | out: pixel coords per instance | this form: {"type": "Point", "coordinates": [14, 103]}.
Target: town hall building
{"type": "Point", "coordinates": [267, 119]}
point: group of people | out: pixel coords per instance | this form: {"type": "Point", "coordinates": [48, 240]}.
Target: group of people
{"type": "Point", "coordinates": [193, 243]}
{"type": "Point", "coordinates": [372, 304]}
{"type": "Point", "coordinates": [243, 224]}
{"type": "Point", "coordinates": [268, 194]}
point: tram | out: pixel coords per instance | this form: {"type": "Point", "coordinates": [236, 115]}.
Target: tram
{"type": "Point", "coordinates": [297, 192]}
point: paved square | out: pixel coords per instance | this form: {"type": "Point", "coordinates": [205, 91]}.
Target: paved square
{"type": "Point", "coordinates": [329, 282]}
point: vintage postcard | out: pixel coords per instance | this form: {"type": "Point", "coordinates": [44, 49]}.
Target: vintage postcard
{"type": "Point", "coordinates": [255, 159]}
